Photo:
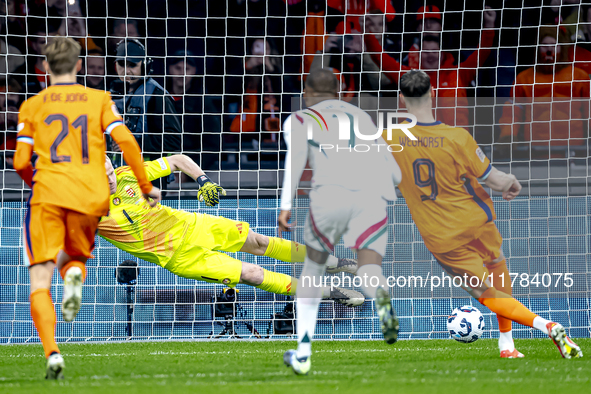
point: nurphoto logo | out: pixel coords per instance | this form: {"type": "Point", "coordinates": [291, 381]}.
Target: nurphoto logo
{"type": "Point", "coordinates": [348, 129]}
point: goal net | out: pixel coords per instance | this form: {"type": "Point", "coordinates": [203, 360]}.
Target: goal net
{"type": "Point", "coordinates": [228, 73]}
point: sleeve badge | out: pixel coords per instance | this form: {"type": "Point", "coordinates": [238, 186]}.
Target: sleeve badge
{"type": "Point", "coordinates": [480, 154]}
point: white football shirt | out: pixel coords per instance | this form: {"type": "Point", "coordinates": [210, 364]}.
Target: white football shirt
{"type": "Point", "coordinates": [324, 135]}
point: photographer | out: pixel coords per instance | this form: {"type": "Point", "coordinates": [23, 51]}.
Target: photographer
{"type": "Point", "coordinates": [148, 111]}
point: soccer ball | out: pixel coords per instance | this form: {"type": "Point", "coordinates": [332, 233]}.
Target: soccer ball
{"type": "Point", "coordinates": [465, 324]}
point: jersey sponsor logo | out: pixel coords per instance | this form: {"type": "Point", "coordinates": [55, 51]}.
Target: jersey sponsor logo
{"type": "Point", "coordinates": [116, 201]}
{"type": "Point", "coordinates": [239, 227]}
{"type": "Point", "coordinates": [162, 163]}
{"type": "Point", "coordinates": [130, 192]}
{"type": "Point", "coordinates": [480, 154]}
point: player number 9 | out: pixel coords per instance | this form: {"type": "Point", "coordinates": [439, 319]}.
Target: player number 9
{"type": "Point", "coordinates": [429, 182]}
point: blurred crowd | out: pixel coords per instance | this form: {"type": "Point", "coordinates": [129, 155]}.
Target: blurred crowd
{"type": "Point", "coordinates": [225, 74]}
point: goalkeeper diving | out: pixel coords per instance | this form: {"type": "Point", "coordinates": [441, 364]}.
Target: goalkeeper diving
{"type": "Point", "coordinates": [190, 244]}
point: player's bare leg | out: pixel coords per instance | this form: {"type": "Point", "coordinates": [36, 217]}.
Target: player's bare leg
{"type": "Point", "coordinates": [375, 286]}
{"type": "Point", "coordinates": [73, 272]}
{"type": "Point", "coordinates": [291, 252]}
{"type": "Point", "coordinates": [43, 314]}
{"type": "Point", "coordinates": [278, 283]}
{"type": "Point", "coordinates": [507, 306]}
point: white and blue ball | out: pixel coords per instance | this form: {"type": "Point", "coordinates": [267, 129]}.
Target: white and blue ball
{"type": "Point", "coordinates": [465, 324]}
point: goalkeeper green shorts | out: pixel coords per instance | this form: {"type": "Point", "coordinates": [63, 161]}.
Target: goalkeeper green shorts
{"type": "Point", "coordinates": [200, 255]}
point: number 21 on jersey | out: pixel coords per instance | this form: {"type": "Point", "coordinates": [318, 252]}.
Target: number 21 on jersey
{"type": "Point", "coordinates": [82, 122]}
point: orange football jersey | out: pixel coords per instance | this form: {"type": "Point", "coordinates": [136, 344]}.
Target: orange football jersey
{"type": "Point", "coordinates": [65, 124]}
{"type": "Point", "coordinates": [440, 172]}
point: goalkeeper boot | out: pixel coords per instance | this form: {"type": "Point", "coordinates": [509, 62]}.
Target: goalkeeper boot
{"type": "Point", "coordinates": [72, 293]}
{"type": "Point", "coordinates": [387, 315]}
{"type": "Point", "coordinates": [300, 366]}
{"type": "Point", "coordinates": [343, 265]}
{"type": "Point", "coordinates": [567, 348]}
{"type": "Point", "coordinates": [55, 367]}
{"type": "Point", "coordinates": [347, 297]}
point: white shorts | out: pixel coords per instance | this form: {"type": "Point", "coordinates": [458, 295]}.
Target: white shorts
{"type": "Point", "coordinates": [359, 217]}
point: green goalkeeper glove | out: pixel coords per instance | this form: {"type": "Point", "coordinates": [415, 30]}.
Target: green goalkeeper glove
{"type": "Point", "coordinates": [209, 192]}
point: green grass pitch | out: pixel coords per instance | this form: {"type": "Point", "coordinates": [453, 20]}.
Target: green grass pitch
{"type": "Point", "coordinates": [430, 366]}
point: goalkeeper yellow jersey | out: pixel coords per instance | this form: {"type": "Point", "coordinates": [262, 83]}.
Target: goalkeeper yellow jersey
{"type": "Point", "coordinates": [152, 234]}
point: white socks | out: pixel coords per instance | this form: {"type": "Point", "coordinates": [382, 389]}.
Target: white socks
{"type": "Point", "coordinates": [506, 341]}
{"type": "Point", "coordinates": [309, 296]}
{"type": "Point", "coordinates": [506, 338]}
{"type": "Point", "coordinates": [325, 292]}
{"type": "Point", "coordinates": [372, 278]}
{"type": "Point", "coordinates": [332, 261]}
{"type": "Point", "coordinates": [540, 324]}
{"type": "Point", "coordinates": [307, 302]}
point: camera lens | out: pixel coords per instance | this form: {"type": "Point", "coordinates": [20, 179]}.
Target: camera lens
{"type": "Point", "coordinates": [230, 295]}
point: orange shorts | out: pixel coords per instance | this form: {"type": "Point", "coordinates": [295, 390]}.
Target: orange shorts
{"type": "Point", "coordinates": [473, 257]}
{"type": "Point", "coordinates": [49, 229]}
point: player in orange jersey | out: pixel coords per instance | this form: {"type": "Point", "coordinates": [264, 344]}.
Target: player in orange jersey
{"type": "Point", "coordinates": [64, 124]}
{"type": "Point", "coordinates": [441, 171]}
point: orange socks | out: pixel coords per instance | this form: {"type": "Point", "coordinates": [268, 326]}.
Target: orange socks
{"type": "Point", "coordinates": [43, 315]}
{"type": "Point", "coordinates": [71, 264]}
{"type": "Point", "coordinates": [43, 312]}
{"type": "Point", "coordinates": [501, 281]}
{"type": "Point", "coordinates": [508, 307]}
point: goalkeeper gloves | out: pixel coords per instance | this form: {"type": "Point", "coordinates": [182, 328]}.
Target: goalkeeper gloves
{"type": "Point", "coordinates": [209, 192]}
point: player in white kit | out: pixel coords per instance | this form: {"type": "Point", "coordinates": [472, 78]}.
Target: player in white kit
{"type": "Point", "coordinates": [350, 188]}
